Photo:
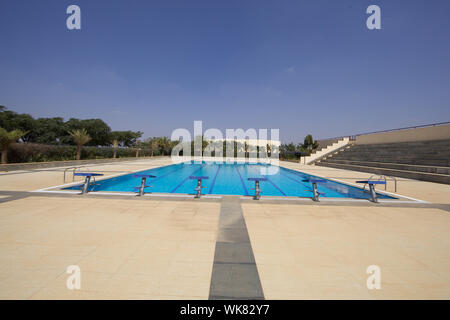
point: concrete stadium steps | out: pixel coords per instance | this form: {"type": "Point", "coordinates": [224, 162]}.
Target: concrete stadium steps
{"type": "Point", "coordinates": [432, 177]}
{"type": "Point", "coordinates": [395, 166]}
{"type": "Point", "coordinates": [331, 148]}
{"type": "Point", "coordinates": [424, 160]}
{"type": "Point", "coordinates": [405, 160]}
{"type": "Point", "coordinates": [325, 143]}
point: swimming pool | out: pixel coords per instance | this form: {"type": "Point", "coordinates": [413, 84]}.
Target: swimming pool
{"type": "Point", "coordinates": [229, 179]}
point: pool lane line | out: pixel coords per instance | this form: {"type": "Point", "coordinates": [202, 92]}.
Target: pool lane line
{"type": "Point", "coordinates": [79, 183]}
{"type": "Point", "coordinates": [182, 182]}
{"type": "Point", "coordinates": [348, 184]}
{"type": "Point", "coordinates": [271, 182]}
{"type": "Point", "coordinates": [338, 180]}
{"type": "Point", "coordinates": [106, 180]}
{"type": "Point", "coordinates": [301, 174]}
{"type": "Point", "coordinates": [242, 180]}
{"type": "Point", "coordinates": [166, 174]}
{"type": "Point", "coordinates": [397, 195]}
{"type": "Point", "coordinates": [380, 191]}
{"type": "Point", "coordinates": [298, 181]}
{"type": "Point", "coordinates": [214, 180]}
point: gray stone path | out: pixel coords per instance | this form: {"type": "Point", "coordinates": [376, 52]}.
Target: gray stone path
{"type": "Point", "coordinates": [234, 275]}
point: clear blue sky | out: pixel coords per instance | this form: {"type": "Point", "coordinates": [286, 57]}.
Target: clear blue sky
{"type": "Point", "coordinates": [301, 66]}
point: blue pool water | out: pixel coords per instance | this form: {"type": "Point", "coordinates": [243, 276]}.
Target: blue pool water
{"type": "Point", "coordinates": [229, 179]}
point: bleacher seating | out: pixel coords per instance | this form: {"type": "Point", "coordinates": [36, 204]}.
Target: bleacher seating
{"type": "Point", "coordinates": [422, 160]}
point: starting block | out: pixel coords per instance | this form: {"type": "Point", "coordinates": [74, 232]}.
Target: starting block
{"type": "Point", "coordinates": [314, 182]}
{"type": "Point", "coordinates": [372, 184]}
{"type": "Point", "coordinates": [257, 189]}
{"type": "Point", "coordinates": [198, 188]}
{"type": "Point", "coordinates": [87, 180]}
{"type": "Point", "coordinates": [144, 178]}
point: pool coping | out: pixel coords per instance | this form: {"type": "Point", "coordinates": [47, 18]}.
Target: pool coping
{"type": "Point", "coordinates": [401, 198]}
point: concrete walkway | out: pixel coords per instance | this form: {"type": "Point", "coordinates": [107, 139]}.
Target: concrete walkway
{"type": "Point", "coordinates": [181, 248]}
{"type": "Point", "coordinates": [235, 274]}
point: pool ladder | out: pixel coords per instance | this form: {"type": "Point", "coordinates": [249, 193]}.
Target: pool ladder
{"type": "Point", "coordinates": [382, 178]}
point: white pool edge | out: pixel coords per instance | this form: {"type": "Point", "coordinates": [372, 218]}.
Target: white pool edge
{"type": "Point", "coordinates": [413, 200]}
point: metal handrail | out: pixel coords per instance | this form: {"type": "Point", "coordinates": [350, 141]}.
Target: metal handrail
{"type": "Point", "coordinates": [353, 137]}
{"type": "Point", "coordinates": [383, 177]}
{"type": "Point", "coordinates": [73, 173]}
{"type": "Point", "coordinates": [379, 177]}
{"type": "Point", "coordinates": [74, 169]}
{"type": "Point", "coordinates": [406, 128]}
{"type": "Point", "coordinates": [395, 183]}
{"type": "Point", "coordinates": [66, 169]}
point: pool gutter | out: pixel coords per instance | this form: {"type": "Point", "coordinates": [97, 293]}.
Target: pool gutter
{"type": "Point", "coordinates": [401, 198]}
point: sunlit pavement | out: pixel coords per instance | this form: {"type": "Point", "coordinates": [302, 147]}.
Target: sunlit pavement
{"type": "Point", "coordinates": [181, 248]}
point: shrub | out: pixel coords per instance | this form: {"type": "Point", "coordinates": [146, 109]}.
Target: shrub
{"type": "Point", "coordinates": [36, 152]}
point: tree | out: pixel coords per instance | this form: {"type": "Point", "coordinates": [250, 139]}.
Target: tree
{"type": "Point", "coordinates": [6, 139]}
{"type": "Point", "coordinates": [138, 147]}
{"type": "Point", "coordinates": [151, 143]}
{"type": "Point", "coordinates": [164, 145]}
{"type": "Point", "coordinates": [49, 130]}
{"type": "Point", "coordinates": [97, 129]}
{"type": "Point", "coordinates": [309, 144]}
{"type": "Point", "coordinates": [154, 144]}
{"type": "Point", "coordinates": [125, 138]}
{"type": "Point", "coordinates": [115, 143]}
{"type": "Point", "coordinates": [81, 137]}
{"type": "Point", "coordinates": [198, 140]}
{"type": "Point", "coordinates": [290, 147]}
{"type": "Point", "coordinates": [287, 151]}
{"type": "Point", "coordinates": [160, 145]}
{"type": "Point", "coordinates": [10, 120]}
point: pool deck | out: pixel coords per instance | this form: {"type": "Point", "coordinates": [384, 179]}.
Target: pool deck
{"type": "Point", "coordinates": [220, 248]}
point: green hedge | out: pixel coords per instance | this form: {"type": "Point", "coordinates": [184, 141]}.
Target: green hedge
{"type": "Point", "coordinates": [36, 152]}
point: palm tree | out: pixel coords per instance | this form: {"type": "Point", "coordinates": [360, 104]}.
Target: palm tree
{"type": "Point", "coordinates": [8, 138]}
{"type": "Point", "coordinates": [138, 147]}
{"type": "Point", "coordinates": [81, 137]}
{"type": "Point", "coordinates": [154, 144]}
{"type": "Point", "coordinates": [115, 144]}
{"type": "Point", "coordinates": [163, 143]}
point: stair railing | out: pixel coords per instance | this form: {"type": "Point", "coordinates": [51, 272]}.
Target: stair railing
{"type": "Point", "coordinates": [383, 178]}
